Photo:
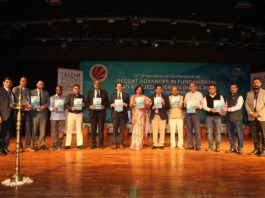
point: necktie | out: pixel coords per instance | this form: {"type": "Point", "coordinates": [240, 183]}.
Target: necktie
{"type": "Point", "coordinates": [10, 97]}
{"type": "Point", "coordinates": [98, 95]}
{"type": "Point", "coordinates": [40, 95]}
{"type": "Point", "coordinates": [256, 94]}
{"type": "Point", "coordinates": [119, 95]}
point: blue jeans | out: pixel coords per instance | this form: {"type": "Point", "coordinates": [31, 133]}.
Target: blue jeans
{"type": "Point", "coordinates": [212, 121]}
{"type": "Point", "coordinates": [233, 128]}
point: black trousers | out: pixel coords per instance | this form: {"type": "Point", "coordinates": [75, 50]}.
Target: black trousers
{"type": "Point", "coordinates": [118, 123]}
{"type": "Point", "coordinates": [257, 130]}
{"type": "Point", "coordinates": [5, 129]}
{"type": "Point", "coordinates": [97, 124]}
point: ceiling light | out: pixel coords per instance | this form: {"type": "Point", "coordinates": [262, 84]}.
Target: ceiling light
{"type": "Point", "coordinates": [54, 2]}
{"type": "Point", "coordinates": [243, 4]}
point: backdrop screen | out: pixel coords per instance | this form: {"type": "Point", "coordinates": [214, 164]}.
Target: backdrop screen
{"type": "Point", "coordinates": [148, 74]}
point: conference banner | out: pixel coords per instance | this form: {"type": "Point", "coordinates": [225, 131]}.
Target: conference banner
{"type": "Point", "coordinates": [149, 74]}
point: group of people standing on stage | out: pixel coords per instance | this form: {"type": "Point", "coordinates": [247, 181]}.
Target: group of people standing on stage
{"type": "Point", "coordinates": [158, 109]}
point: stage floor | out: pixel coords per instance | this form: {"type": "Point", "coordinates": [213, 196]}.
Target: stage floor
{"type": "Point", "coordinates": [157, 173]}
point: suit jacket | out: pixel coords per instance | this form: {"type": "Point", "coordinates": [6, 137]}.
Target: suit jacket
{"type": "Point", "coordinates": [163, 110]}
{"type": "Point", "coordinates": [5, 109]}
{"type": "Point", "coordinates": [104, 101]}
{"type": "Point", "coordinates": [25, 95]}
{"type": "Point", "coordinates": [126, 99]}
{"type": "Point", "coordinates": [260, 105]}
{"type": "Point", "coordinates": [45, 99]}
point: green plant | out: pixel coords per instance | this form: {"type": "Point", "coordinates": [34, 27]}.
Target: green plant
{"type": "Point", "coordinates": [134, 190]}
{"type": "Point", "coordinates": [202, 194]}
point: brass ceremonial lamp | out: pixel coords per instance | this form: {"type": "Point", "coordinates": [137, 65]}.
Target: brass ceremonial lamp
{"type": "Point", "coordinates": [18, 178]}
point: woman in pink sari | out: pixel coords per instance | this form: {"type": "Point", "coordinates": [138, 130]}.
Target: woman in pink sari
{"type": "Point", "coordinates": [139, 105]}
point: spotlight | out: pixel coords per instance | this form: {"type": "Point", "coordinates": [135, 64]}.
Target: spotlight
{"type": "Point", "coordinates": [54, 2]}
{"type": "Point", "coordinates": [155, 44]}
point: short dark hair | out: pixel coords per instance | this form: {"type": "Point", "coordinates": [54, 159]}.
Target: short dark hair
{"type": "Point", "coordinates": [119, 83]}
{"type": "Point", "coordinates": [138, 87]}
{"type": "Point", "coordinates": [59, 87]}
{"type": "Point", "coordinates": [23, 77]}
{"type": "Point", "coordinates": [212, 84]}
{"type": "Point", "coordinates": [234, 84]}
{"type": "Point", "coordinates": [76, 85]}
{"type": "Point", "coordinates": [256, 78]}
{"type": "Point", "coordinates": [8, 78]}
{"type": "Point", "coordinates": [158, 85]}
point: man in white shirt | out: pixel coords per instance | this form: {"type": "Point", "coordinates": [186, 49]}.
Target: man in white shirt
{"type": "Point", "coordinates": [213, 103]}
{"type": "Point", "coordinates": [176, 116]}
{"type": "Point", "coordinates": [193, 103]}
{"type": "Point", "coordinates": [234, 105]}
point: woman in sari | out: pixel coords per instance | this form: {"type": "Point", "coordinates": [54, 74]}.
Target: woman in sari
{"type": "Point", "coordinates": [139, 105]}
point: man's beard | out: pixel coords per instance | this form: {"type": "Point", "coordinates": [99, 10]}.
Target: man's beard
{"type": "Point", "coordinates": [256, 89]}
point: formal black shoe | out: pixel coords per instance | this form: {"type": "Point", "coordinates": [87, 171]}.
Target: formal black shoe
{"type": "Point", "coordinates": [209, 149]}
{"type": "Point", "coordinates": [59, 148]}
{"type": "Point", "coordinates": [231, 150]}
{"type": "Point", "coordinates": [80, 147]}
{"type": "Point", "coordinates": [240, 152]}
{"type": "Point", "coordinates": [189, 148]}
{"type": "Point", "coordinates": [67, 147]}
{"type": "Point", "coordinates": [35, 148]}
{"type": "Point", "coordinates": [93, 146]}
{"type": "Point", "coordinates": [154, 147]}
{"type": "Point", "coordinates": [255, 152]}
{"type": "Point", "coordinates": [101, 147]}
{"type": "Point", "coordinates": [6, 151]}
{"type": "Point", "coordinates": [262, 154]}
{"type": "Point", "coordinates": [2, 153]}
{"type": "Point", "coordinates": [198, 149]}
{"type": "Point", "coordinates": [161, 147]}
{"type": "Point", "coordinates": [54, 147]}
{"type": "Point", "coordinates": [43, 147]}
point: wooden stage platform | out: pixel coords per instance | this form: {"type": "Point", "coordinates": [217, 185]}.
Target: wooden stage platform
{"type": "Point", "coordinates": [157, 173]}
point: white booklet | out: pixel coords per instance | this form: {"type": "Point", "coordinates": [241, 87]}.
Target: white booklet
{"type": "Point", "coordinates": [78, 103]}
{"type": "Point", "coordinates": [175, 101]}
{"type": "Point", "coordinates": [158, 102]}
{"type": "Point", "coordinates": [191, 107]}
{"type": "Point", "coordinates": [217, 105]}
{"type": "Point", "coordinates": [35, 102]}
{"type": "Point", "coordinates": [139, 102]}
{"type": "Point", "coordinates": [97, 103]}
{"type": "Point", "coordinates": [59, 103]}
{"type": "Point", "coordinates": [118, 105]}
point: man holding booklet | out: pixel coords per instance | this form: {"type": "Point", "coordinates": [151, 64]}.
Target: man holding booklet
{"type": "Point", "coordinates": [57, 118]}
{"type": "Point", "coordinates": [193, 102]}
{"type": "Point", "coordinates": [119, 103]}
{"type": "Point", "coordinates": [213, 103]}
{"type": "Point", "coordinates": [159, 117]}
{"type": "Point", "coordinates": [74, 103]}
{"type": "Point", "coordinates": [176, 116]}
{"type": "Point", "coordinates": [97, 101]}
{"type": "Point", "coordinates": [40, 101]}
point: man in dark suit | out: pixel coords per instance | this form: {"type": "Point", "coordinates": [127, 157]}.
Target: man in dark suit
{"type": "Point", "coordinates": [119, 113]}
{"type": "Point", "coordinates": [6, 115]}
{"type": "Point", "coordinates": [160, 106]}
{"type": "Point", "coordinates": [97, 102]}
{"type": "Point", "coordinates": [39, 115]}
{"type": "Point", "coordinates": [26, 118]}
